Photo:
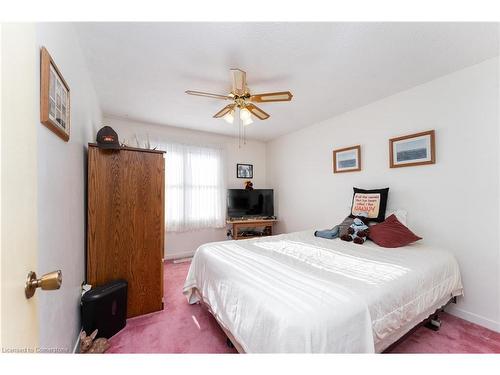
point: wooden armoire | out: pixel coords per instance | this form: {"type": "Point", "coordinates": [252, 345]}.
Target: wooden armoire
{"type": "Point", "coordinates": [125, 227]}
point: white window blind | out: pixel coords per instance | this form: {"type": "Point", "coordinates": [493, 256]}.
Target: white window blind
{"type": "Point", "coordinates": [194, 184]}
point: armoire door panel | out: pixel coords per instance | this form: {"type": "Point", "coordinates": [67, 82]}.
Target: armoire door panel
{"type": "Point", "coordinates": [126, 224]}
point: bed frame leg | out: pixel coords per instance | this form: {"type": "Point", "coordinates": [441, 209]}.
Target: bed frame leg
{"type": "Point", "coordinates": [229, 343]}
{"type": "Point", "coordinates": [434, 322]}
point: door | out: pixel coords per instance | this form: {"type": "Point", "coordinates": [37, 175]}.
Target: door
{"type": "Point", "coordinates": [19, 329]}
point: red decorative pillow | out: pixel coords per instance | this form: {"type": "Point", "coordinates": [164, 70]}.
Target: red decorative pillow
{"type": "Point", "coordinates": [391, 233]}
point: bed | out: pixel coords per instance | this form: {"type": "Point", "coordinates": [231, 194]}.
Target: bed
{"type": "Point", "coordinates": [296, 293]}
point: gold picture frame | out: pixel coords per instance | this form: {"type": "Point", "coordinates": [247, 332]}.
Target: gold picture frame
{"type": "Point", "coordinates": [347, 159]}
{"type": "Point", "coordinates": [54, 97]}
{"type": "Point", "coordinates": [412, 150]}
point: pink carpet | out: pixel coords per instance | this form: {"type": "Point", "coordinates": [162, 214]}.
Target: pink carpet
{"type": "Point", "coordinates": [184, 328]}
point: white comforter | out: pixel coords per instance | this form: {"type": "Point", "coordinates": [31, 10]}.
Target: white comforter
{"type": "Point", "coordinates": [298, 293]}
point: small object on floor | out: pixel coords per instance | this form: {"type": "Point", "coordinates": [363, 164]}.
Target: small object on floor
{"type": "Point", "coordinates": [434, 323]}
{"type": "Point", "coordinates": [329, 234]}
{"type": "Point", "coordinates": [91, 346]}
{"type": "Point", "coordinates": [183, 260]}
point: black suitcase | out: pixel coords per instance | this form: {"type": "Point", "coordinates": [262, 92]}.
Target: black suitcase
{"type": "Point", "coordinates": [105, 308]}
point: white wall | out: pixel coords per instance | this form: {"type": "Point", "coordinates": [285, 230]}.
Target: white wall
{"type": "Point", "coordinates": [62, 188]}
{"type": "Point", "coordinates": [449, 204]}
{"type": "Point", "coordinates": [254, 152]}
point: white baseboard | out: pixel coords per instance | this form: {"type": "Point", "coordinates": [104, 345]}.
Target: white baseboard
{"type": "Point", "coordinates": [184, 254]}
{"type": "Point", "coordinates": [474, 318]}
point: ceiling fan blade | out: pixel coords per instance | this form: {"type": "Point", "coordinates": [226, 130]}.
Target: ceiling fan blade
{"type": "Point", "coordinates": [257, 112]}
{"type": "Point", "coordinates": [208, 95]}
{"type": "Point", "coordinates": [228, 108]}
{"type": "Point", "coordinates": [282, 96]}
{"type": "Point", "coordinates": [239, 80]}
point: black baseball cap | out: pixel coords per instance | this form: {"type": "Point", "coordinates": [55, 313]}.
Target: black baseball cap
{"type": "Point", "coordinates": [107, 138]}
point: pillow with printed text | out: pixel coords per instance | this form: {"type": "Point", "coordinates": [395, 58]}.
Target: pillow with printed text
{"type": "Point", "coordinates": [370, 203]}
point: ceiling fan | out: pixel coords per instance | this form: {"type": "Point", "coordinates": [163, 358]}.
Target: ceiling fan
{"type": "Point", "coordinates": [243, 100]}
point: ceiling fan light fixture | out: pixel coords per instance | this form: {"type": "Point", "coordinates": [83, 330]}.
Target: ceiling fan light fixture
{"type": "Point", "coordinates": [229, 117]}
{"type": "Point", "coordinates": [245, 114]}
{"type": "Point", "coordinates": [247, 121]}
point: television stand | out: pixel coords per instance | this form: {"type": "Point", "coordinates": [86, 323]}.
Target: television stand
{"type": "Point", "coordinates": [251, 228]}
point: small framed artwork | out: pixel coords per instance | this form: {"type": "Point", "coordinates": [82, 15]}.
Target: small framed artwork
{"type": "Point", "coordinates": [347, 159]}
{"type": "Point", "coordinates": [413, 149]}
{"type": "Point", "coordinates": [54, 97]}
{"type": "Point", "coordinates": [244, 170]}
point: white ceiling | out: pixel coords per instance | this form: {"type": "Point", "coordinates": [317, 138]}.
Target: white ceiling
{"type": "Point", "coordinates": [141, 70]}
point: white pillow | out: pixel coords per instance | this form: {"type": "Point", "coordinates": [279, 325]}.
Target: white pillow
{"type": "Point", "coordinates": [400, 215]}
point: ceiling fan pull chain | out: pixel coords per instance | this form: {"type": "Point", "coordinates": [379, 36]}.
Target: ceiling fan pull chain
{"type": "Point", "coordinates": [239, 129]}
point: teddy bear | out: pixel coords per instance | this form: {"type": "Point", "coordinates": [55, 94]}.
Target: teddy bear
{"type": "Point", "coordinates": [357, 232]}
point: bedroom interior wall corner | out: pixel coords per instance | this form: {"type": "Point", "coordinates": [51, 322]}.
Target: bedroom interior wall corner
{"type": "Point", "coordinates": [62, 188]}
{"type": "Point", "coordinates": [462, 107]}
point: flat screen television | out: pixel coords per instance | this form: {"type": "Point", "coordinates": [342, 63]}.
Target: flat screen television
{"type": "Point", "coordinates": [257, 202]}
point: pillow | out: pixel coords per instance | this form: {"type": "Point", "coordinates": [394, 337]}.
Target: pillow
{"type": "Point", "coordinates": [391, 233]}
{"type": "Point", "coordinates": [371, 202]}
{"type": "Point", "coordinates": [400, 215]}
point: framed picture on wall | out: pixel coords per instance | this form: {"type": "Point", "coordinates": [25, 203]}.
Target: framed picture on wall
{"type": "Point", "coordinates": [413, 149]}
{"type": "Point", "coordinates": [54, 97]}
{"type": "Point", "coordinates": [347, 159]}
{"type": "Point", "coordinates": [244, 170]}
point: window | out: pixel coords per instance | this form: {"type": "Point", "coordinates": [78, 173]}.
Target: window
{"type": "Point", "coordinates": [194, 184]}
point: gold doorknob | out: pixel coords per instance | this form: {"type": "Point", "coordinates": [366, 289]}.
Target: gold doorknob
{"type": "Point", "coordinates": [49, 281]}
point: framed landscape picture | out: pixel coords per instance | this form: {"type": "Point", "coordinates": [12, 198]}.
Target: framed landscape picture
{"type": "Point", "coordinates": [413, 149]}
{"type": "Point", "coordinates": [244, 170]}
{"type": "Point", "coordinates": [347, 159]}
{"type": "Point", "coordinates": [54, 97]}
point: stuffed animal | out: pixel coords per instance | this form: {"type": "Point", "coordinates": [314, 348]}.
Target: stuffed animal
{"type": "Point", "coordinates": [88, 345]}
{"type": "Point", "coordinates": [248, 185]}
{"type": "Point", "coordinates": [357, 232]}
